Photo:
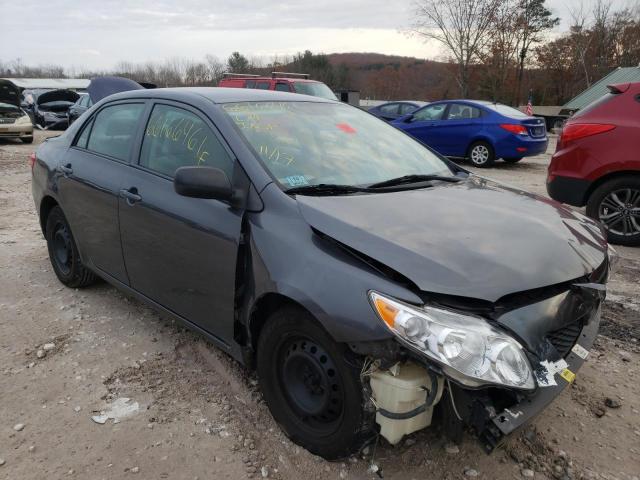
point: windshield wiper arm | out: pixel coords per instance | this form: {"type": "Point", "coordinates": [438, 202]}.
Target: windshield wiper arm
{"type": "Point", "coordinates": [405, 179]}
{"type": "Point", "coordinates": [325, 189]}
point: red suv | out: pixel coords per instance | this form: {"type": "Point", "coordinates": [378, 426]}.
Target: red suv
{"type": "Point", "coordinates": [597, 163]}
{"type": "Point", "coordinates": [281, 81]}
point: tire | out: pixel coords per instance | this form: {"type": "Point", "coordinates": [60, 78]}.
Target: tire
{"type": "Point", "coordinates": [312, 386]}
{"type": "Point", "coordinates": [512, 160]}
{"type": "Point", "coordinates": [616, 204]}
{"type": "Point", "coordinates": [63, 252]}
{"type": "Point", "coordinates": [481, 154]}
{"type": "Point", "coordinates": [27, 139]}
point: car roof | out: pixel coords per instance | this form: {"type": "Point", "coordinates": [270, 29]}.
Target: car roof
{"type": "Point", "coordinates": [219, 95]}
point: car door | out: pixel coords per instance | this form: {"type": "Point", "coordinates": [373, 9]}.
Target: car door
{"type": "Point", "coordinates": [462, 124]}
{"type": "Point", "coordinates": [181, 252]}
{"type": "Point", "coordinates": [89, 184]}
{"type": "Point", "coordinates": [426, 123]}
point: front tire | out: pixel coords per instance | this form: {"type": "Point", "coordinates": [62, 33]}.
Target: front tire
{"type": "Point", "coordinates": [312, 385]}
{"type": "Point", "coordinates": [616, 204]}
{"type": "Point", "coordinates": [26, 139]}
{"type": "Point", "coordinates": [481, 154]}
{"type": "Point", "coordinates": [63, 252]}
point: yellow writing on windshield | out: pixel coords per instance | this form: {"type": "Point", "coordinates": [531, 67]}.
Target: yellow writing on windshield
{"type": "Point", "coordinates": [275, 156]}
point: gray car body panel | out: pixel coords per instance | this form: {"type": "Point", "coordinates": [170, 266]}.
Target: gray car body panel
{"type": "Point", "coordinates": [476, 239]}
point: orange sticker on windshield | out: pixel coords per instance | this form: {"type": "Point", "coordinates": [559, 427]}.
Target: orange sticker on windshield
{"type": "Point", "coordinates": [346, 128]}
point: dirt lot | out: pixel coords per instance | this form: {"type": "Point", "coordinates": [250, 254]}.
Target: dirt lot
{"type": "Point", "coordinates": [194, 413]}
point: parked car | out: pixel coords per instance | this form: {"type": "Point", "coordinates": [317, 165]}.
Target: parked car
{"type": "Point", "coordinates": [597, 163]}
{"type": "Point", "coordinates": [394, 110]}
{"type": "Point", "coordinates": [14, 122]}
{"type": "Point", "coordinates": [82, 105]}
{"type": "Point", "coordinates": [279, 81]}
{"type": "Point", "coordinates": [367, 278]}
{"type": "Point", "coordinates": [48, 108]}
{"type": "Point", "coordinates": [477, 130]}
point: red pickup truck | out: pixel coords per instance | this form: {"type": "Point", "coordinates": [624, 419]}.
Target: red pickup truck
{"type": "Point", "coordinates": [281, 81]}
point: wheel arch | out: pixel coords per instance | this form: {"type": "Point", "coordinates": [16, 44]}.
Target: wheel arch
{"type": "Point", "coordinates": [480, 138]}
{"type": "Point", "coordinates": [46, 205]}
{"type": "Point", "coordinates": [606, 178]}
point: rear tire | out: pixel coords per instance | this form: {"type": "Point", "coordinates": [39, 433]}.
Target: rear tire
{"type": "Point", "coordinates": [481, 154]}
{"type": "Point", "coordinates": [616, 204]}
{"type": "Point", "coordinates": [312, 385]}
{"type": "Point", "coordinates": [512, 160]}
{"type": "Point", "coordinates": [63, 252]}
{"type": "Point", "coordinates": [27, 139]}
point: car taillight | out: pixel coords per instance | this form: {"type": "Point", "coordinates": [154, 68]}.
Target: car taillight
{"type": "Point", "coordinates": [32, 160]}
{"type": "Point", "coordinates": [514, 128]}
{"type": "Point", "coordinates": [575, 131]}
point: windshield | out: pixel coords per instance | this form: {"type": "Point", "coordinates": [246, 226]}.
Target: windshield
{"type": "Point", "coordinates": [506, 110]}
{"type": "Point", "coordinates": [304, 143]}
{"type": "Point", "coordinates": [314, 89]}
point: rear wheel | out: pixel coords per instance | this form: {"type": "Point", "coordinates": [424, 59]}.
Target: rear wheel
{"type": "Point", "coordinates": [312, 385]}
{"type": "Point", "coordinates": [63, 252]}
{"type": "Point", "coordinates": [616, 204]}
{"type": "Point", "coordinates": [481, 154]}
{"type": "Point", "coordinates": [512, 160]}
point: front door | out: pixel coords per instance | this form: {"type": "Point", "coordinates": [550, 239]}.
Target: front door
{"type": "Point", "coordinates": [426, 123]}
{"type": "Point", "coordinates": [181, 252]}
{"type": "Point", "coordinates": [90, 175]}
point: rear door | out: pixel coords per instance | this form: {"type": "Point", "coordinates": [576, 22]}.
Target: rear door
{"type": "Point", "coordinates": [426, 125]}
{"type": "Point", "coordinates": [463, 123]}
{"type": "Point", "coordinates": [89, 184]}
{"type": "Point", "coordinates": [181, 252]}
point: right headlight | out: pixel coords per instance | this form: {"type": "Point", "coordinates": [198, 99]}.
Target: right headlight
{"type": "Point", "coordinates": [23, 120]}
{"type": "Point", "coordinates": [467, 348]}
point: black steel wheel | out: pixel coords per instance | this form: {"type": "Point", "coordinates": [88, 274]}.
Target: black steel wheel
{"type": "Point", "coordinates": [616, 204]}
{"type": "Point", "coordinates": [63, 253]}
{"type": "Point", "coordinates": [312, 385]}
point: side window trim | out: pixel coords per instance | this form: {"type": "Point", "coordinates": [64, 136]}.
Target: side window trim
{"type": "Point", "coordinates": [135, 160]}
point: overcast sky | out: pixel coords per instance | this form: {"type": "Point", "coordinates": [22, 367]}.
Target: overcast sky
{"type": "Point", "coordinates": [99, 33]}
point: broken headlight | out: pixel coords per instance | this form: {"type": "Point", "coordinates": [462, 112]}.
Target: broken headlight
{"type": "Point", "coordinates": [467, 348]}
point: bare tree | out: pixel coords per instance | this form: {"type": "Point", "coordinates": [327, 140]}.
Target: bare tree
{"type": "Point", "coordinates": [580, 39]}
{"type": "Point", "coordinates": [463, 27]}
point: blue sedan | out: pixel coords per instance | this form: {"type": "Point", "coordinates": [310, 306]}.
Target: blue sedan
{"type": "Point", "coordinates": [478, 130]}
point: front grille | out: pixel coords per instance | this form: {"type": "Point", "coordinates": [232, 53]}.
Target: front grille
{"type": "Point", "coordinates": [565, 338]}
{"type": "Point", "coordinates": [5, 121]}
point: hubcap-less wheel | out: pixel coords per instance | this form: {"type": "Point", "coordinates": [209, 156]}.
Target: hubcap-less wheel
{"type": "Point", "coordinates": [620, 212]}
{"type": "Point", "coordinates": [311, 383]}
{"type": "Point", "coordinates": [480, 154]}
{"type": "Point", "coordinates": [62, 248]}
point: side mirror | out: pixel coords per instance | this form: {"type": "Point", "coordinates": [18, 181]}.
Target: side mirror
{"type": "Point", "coordinates": [408, 118]}
{"type": "Point", "coordinates": [202, 182]}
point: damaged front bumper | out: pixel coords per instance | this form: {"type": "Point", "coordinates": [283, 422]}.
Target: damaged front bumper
{"type": "Point", "coordinates": [494, 426]}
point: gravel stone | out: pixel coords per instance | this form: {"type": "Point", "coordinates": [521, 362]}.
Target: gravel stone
{"type": "Point", "coordinates": [18, 427]}
{"type": "Point", "coordinates": [41, 354]}
{"type": "Point", "coordinates": [527, 473]}
{"type": "Point", "coordinates": [451, 448]}
{"type": "Point", "coordinates": [470, 472]}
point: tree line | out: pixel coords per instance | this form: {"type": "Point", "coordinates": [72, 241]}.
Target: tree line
{"type": "Point", "coordinates": [496, 50]}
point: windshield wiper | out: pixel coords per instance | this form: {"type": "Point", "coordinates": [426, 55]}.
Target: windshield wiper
{"type": "Point", "coordinates": [325, 189]}
{"type": "Point", "coordinates": [405, 179]}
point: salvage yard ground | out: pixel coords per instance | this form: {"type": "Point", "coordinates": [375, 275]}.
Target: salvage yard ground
{"type": "Point", "coordinates": [180, 409]}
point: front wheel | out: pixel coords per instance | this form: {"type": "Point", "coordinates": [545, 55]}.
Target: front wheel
{"type": "Point", "coordinates": [312, 385]}
{"type": "Point", "coordinates": [481, 154]}
{"type": "Point", "coordinates": [63, 252]}
{"type": "Point", "coordinates": [616, 204]}
{"type": "Point", "coordinates": [512, 160]}
{"type": "Point", "coordinates": [26, 139]}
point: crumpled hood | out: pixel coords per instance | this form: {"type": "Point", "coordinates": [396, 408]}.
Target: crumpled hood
{"type": "Point", "coordinates": [102, 87]}
{"type": "Point", "coordinates": [57, 96]}
{"type": "Point", "coordinates": [475, 239]}
{"type": "Point", "coordinates": [9, 93]}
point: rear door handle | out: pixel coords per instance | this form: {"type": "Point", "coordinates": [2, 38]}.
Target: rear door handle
{"type": "Point", "coordinates": [66, 169]}
{"type": "Point", "coordinates": [131, 195]}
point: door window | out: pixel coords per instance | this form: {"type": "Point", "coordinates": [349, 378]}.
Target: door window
{"type": "Point", "coordinates": [459, 111]}
{"type": "Point", "coordinates": [263, 85]}
{"type": "Point", "coordinates": [176, 138]}
{"type": "Point", "coordinates": [282, 87]}
{"type": "Point", "coordinates": [114, 128]}
{"type": "Point", "coordinates": [84, 136]}
{"type": "Point", "coordinates": [406, 108]}
{"type": "Point", "coordinates": [389, 109]}
{"type": "Point", "coordinates": [432, 112]}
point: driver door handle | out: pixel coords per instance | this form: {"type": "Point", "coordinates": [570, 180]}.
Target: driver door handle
{"type": "Point", "coordinates": [130, 195]}
{"type": "Point", "coordinates": [66, 169]}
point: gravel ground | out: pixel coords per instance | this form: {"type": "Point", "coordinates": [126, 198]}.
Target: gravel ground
{"type": "Point", "coordinates": [175, 407]}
